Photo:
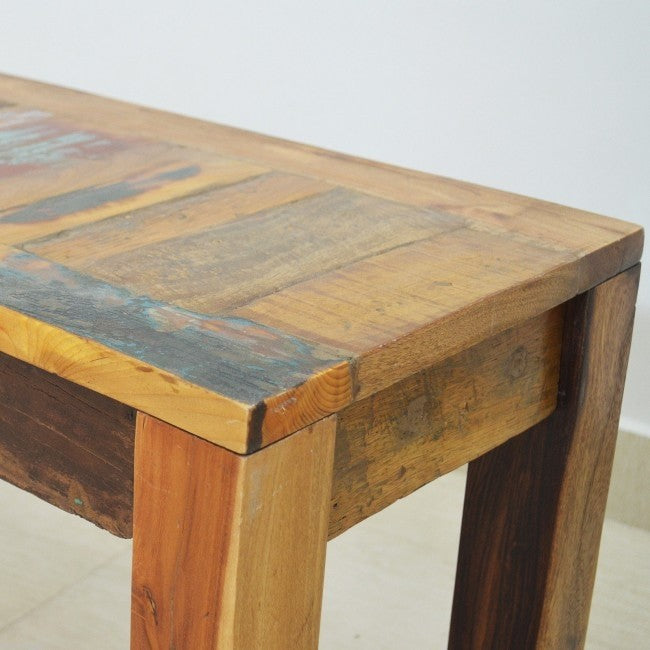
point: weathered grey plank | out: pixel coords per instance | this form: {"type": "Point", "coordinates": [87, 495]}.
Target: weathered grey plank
{"type": "Point", "coordinates": [231, 356]}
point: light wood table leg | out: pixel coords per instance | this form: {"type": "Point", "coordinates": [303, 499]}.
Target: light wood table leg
{"type": "Point", "coordinates": [534, 507]}
{"type": "Point", "coordinates": [229, 550]}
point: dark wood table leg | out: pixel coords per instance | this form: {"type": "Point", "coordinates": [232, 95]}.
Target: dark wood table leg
{"type": "Point", "coordinates": [534, 507]}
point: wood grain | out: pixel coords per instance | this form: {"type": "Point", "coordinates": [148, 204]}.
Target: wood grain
{"type": "Point", "coordinates": [241, 288]}
{"type": "Point", "coordinates": [229, 551]}
{"type": "Point", "coordinates": [387, 445]}
{"type": "Point", "coordinates": [271, 282]}
{"type": "Point", "coordinates": [54, 175]}
{"type": "Point", "coordinates": [408, 308]}
{"type": "Point", "coordinates": [494, 210]}
{"type": "Point", "coordinates": [401, 438]}
{"type": "Point", "coordinates": [181, 217]}
{"type": "Point", "coordinates": [67, 445]}
{"type": "Point", "coordinates": [534, 506]}
{"type": "Point", "coordinates": [204, 374]}
{"type": "Point", "coordinates": [210, 271]}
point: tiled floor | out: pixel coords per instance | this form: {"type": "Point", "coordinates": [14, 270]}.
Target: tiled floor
{"type": "Point", "coordinates": [65, 583]}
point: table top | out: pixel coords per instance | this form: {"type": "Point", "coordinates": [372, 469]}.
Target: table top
{"type": "Point", "coordinates": [241, 287]}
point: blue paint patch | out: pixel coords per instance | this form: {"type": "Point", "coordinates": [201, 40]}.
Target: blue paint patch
{"type": "Point", "coordinates": [77, 201]}
{"type": "Point", "coordinates": [31, 137]}
{"type": "Point", "coordinates": [234, 357]}
{"type": "Point", "coordinates": [179, 174]}
{"type": "Point", "coordinates": [34, 147]}
{"type": "Point", "coordinates": [93, 197]}
{"type": "Point", "coordinates": [11, 116]}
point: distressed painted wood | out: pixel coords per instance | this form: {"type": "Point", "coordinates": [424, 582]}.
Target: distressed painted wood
{"type": "Point", "coordinates": [521, 216]}
{"type": "Point", "coordinates": [74, 447]}
{"type": "Point", "coordinates": [229, 551]}
{"type": "Point", "coordinates": [494, 210]}
{"type": "Point", "coordinates": [393, 442]}
{"type": "Point", "coordinates": [534, 506]}
{"type": "Point", "coordinates": [413, 306]}
{"type": "Point", "coordinates": [54, 175]}
{"type": "Point", "coordinates": [178, 218]}
{"type": "Point", "coordinates": [242, 287]}
{"type": "Point", "coordinates": [160, 358]}
{"type": "Point", "coordinates": [238, 291]}
{"type": "Point", "coordinates": [66, 444]}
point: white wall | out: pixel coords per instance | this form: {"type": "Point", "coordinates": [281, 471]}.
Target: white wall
{"type": "Point", "coordinates": [549, 99]}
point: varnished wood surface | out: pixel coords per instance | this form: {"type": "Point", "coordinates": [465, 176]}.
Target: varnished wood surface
{"type": "Point", "coordinates": [242, 287]}
{"type": "Point", "coordinates": [534, 507]}
{"type": "Point", "coordinates": [401, 438]}
{"type": "Point", "coordinates": [67, 444]}
{"type": "Point", "coordinates": [74, 447]}
{"type": "Point", "coordinates": [163, 359]}
{"type": "Point", "coordinates": [229, 551]}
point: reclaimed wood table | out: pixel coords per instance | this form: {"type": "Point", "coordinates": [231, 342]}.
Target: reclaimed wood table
{"type": "Point", "coordinates": [234, 348]}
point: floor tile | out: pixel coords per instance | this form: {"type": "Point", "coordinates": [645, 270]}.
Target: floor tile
{"type": "Point", "coordinates": [92, 613]}
{"type": "Point", "coordinates": [43, 550]}
{"type": "Point", "coordinates": [389, 580]}
{"type": "Point", "coordinates": [620, 611]}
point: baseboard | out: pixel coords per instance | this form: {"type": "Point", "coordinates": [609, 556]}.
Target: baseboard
{"type": "Point", "coordinates": [629, 493]}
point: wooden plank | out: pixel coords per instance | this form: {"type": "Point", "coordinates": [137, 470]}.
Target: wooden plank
{"type": "Point", "coordinates": [494, 210]}
{"type": "Point", "coordinates": [223, 267]}
{"type": "Point", "coordinates": [393, 442]}
{"type": "Point", "coordinates": [54, 175]}
{"type": "Point", "coordinates": [77, 247]}
{"type": "Point", "coordinates": [205, 374]}
{"type": "Point", "coordinates": [124, 378]}
{"type": "Point", "coordinates": [229, 551]}
{"type": "Point", "coordinates": [416, 305]}
{"type": "Point", "coordinates": [398, 312]}
{"type": "Point", "coordinates": [67, 445]}
{"type": "Point", "coordinates": [492, 391]}
{"type": "Point", "coordinates": [37, 150]}
{"type": "Point", "coordinates": [259, 309]}
{"type": "Point", "coordinates": [534, 507]}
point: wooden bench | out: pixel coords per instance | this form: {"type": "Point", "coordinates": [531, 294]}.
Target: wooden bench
{"type": "Point", "coordinates": [234, 348]}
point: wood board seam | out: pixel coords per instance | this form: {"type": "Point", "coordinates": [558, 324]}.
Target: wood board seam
{"type": "Point", "coordinates": [342, 267]}
{"type": "Point", "coordinates": [167, 202]}
{"type": "Point", "coordinates": [156, 319]}
{"type": "Point", "coordinates": [403, 172]}
{"type": "Point", "coordinates": [251, 434]}
{"type": "Point", "coordinates": [575, 273]}
{"type": "Point", "coordinates": [188, 195]}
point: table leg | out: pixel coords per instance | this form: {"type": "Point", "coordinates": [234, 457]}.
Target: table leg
{"type": "Point", "coordinates": [229, 550]}
{"type": "Point", "coordinates": [534, 507]}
